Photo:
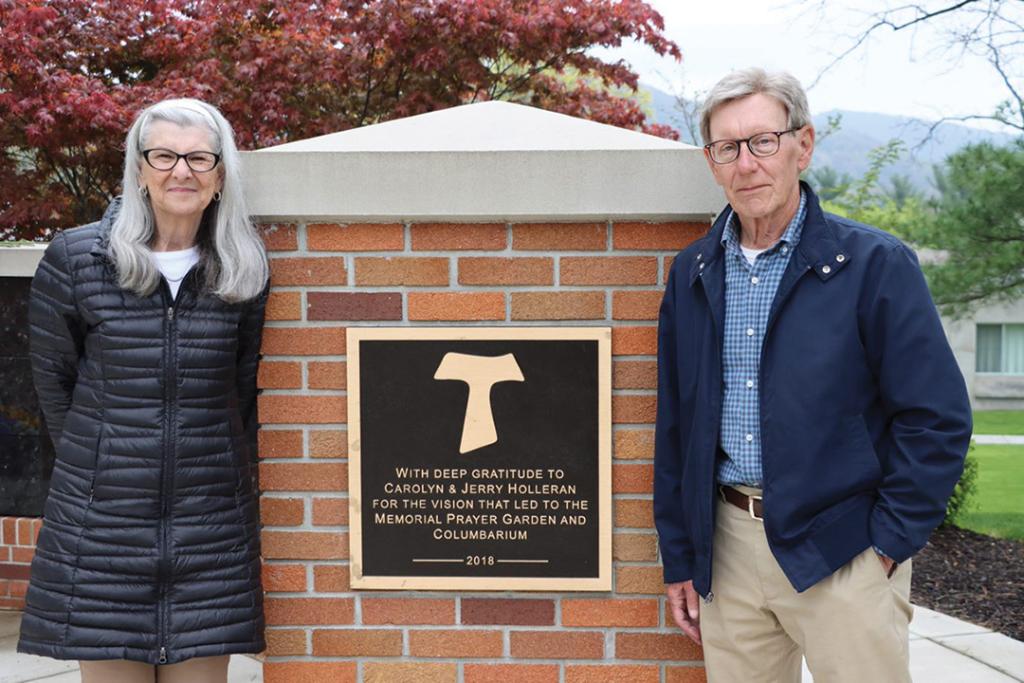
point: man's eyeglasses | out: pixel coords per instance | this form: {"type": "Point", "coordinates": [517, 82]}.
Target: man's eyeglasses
{"type": "Point", "coordinates": [760, 145]}
{"type": "Point", "coordinates": [165, 160]}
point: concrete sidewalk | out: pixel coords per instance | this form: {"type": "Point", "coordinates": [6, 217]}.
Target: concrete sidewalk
{"type": "Point", "coordinates": [942, 650]}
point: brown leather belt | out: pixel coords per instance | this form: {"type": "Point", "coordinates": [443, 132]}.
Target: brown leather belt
{"type": "Point", "coordinates": [752, 504]}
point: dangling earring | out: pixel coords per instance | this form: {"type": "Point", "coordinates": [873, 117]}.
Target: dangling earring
{"type": "Point", "coordinates": [144, 191]}
{"type": "Point", "coordinates": [216, 196]}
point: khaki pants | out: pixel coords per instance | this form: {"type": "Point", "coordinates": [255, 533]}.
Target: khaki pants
{"type": "Point", "coordinates": [198, 670]}
{"type": "Point", "coordinates": [850, 626]}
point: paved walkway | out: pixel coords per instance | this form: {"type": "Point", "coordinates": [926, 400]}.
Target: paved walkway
{"type": "Point", "coordinates": [998, 438]}
{"type": "Point", "coordinates": [942, 650]}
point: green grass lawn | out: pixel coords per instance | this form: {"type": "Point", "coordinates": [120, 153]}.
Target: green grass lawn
{"type": "Point", "coordinates": [998, 506]}
{"type": "Point", "coordinates": [999, 422]}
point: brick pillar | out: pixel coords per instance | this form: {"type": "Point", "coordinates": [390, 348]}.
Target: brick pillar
{"type": "Point", "coordinates": [327, 277]}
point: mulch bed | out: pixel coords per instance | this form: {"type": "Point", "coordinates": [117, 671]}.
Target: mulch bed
{"type": "Point", "coordinates": [973, 577]}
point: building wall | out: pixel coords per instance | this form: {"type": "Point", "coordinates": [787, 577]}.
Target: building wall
{"type": "Point", "coordinates": [987, 391]}
{"type": "Point", "coordinates": [328, 277]}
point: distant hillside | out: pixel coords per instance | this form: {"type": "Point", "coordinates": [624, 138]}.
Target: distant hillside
{"type": "Point", "coordinates": [847, 149]}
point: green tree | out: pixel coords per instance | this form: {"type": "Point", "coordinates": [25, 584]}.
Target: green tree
{"type": "Point", "coordinates": [828, 182]}
{"type": "Point", "coordinates": [979, 225]}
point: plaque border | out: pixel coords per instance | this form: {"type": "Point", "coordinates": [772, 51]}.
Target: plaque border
{"type": "Point", "coordinates": [603, 581]}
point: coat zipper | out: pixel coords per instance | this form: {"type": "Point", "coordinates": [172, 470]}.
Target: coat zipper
{"type": "Point", "coordinates": [708, 505]}
{"type": "Point", "coordinates": [166, 471]}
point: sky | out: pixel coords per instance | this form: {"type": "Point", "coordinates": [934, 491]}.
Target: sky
{"type": "Point", "coordinates": [905, 73]}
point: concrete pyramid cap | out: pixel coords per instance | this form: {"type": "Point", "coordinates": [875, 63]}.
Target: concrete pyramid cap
{"type": "Point", "coordinates": [492, 161]}
{"type": "Point", "coordinates": [482, 127]}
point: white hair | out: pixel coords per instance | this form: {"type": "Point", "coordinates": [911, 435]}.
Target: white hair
{"type": "Point", "coordinates": [231, 252]}
{"type": "Point", "coordinates": [781, 85]}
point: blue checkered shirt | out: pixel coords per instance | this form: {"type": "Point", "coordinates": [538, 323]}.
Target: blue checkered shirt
{"type": "Point", "coordinates": [749, 292]}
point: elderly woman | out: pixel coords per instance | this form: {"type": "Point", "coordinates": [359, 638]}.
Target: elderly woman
{"type": "Point", "coordinates": [145, 334]}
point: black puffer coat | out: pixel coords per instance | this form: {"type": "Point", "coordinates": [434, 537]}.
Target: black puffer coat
{"type": "Point", "coordinates": [149, 549]}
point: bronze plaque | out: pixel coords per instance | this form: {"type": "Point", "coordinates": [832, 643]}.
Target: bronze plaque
{"type": "Point", "coordinates": [480, 458]}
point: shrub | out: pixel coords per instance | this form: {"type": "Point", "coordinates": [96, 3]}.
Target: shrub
{"type": "Point", "coordinates": [962, 499]}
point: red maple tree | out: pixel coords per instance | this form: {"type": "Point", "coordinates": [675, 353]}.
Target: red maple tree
{"type": "Point", "coordinates": [73, 73]}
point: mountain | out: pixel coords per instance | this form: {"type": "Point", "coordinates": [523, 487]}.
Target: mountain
{"type": "Point", "coordinates": [846, 150]}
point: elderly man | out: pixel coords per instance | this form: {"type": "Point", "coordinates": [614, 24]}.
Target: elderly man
{"type": "Point", "coordinates": [812, 421]}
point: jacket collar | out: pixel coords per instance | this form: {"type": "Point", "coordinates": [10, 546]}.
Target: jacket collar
{"type": "Point", "coordinates": [818, 248]}
{"type": "Point", "coordinates": [101, 245]}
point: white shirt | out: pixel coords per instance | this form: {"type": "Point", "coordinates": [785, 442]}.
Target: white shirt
{"type": "Point", "coordinates": [174, 265]}
{"type": "Point", "coordinates": [751, 254]}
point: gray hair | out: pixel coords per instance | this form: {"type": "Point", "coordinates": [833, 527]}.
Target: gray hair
{"type": "Point", "coordinates": [781, 85]}
{"type": "Point", "coordinates": [231, 252]}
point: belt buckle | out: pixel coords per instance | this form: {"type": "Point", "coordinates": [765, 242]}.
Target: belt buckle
{"type": "Point", "coordinates": [750, 507]}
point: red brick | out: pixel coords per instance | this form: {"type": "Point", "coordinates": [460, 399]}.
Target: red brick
{"type": "Point", "coordinates": [381, 611]}
{"type": "Point", "coordinates": [10, 531]}
{"type": "Point", "coordinates": [611, 673]}
{"type": "Point", "coordinates": [281, 511]}
{"type": "Point", "coordinates": [608, 270]}
{"type": "Point", "coordinates": [650, 236]}
{"type": "Point", "coordinates": [303, 476]}
{"type": "Point", "coordinates": [357, 643]}
{"type": "Point", "coordinates": [685, 674]}
{"type": "Point", "coordinates": [556, 645]}
{"type": "Point", "coordinates": [508, 611]}
{"type": "Point", "coordinates": [324, 375]}
{"type": "Point", "coordinates": [284, 409]}
{"type": "Point", "coordinates": [282, 642]}
{"type": "Point", "coordinates": [279, 236]}
{"type": "Point", "coordinates": [330, 511]}
{"type": "Point", "coordinates": [558, 306]}
{"type": "Point", "coordinates": [279, 375]}
{"type": "Point", "coordinates": [634, 408]}
{"type": "Point", "coordinates": [280, 443]}
{"type": "Point", "coordinates": [308, 271]}
{"type": "Point", "coordinates": [309, 672]}
{"type": "Point", "coordinates": [632, 478]}
{"type": "Point", "coordinates": [555, 236]}
{"type": "Point", "coordinates": [22, 555]}
{"type": "Point", "coordinates": [25, 535]}
{"type": "Point", "coordinates": [357, 237]}
{"type": "Point", "coordinates": [640, 580]}
{"type": "Point", "coordinates": [506, 271]}
{"type": "Point", "coordinates": [284, 578]}
{"type": "Point", "coordinates": [635, 547]}
{"type": "Point", "coordinates": [16, 604]}
{"type": "Point", "coordinates": [305, 545]}
{"type": "Point", "coordinates": [328, 443]}
{"type": "Point", "coordinates": [303, 341]}
{"type": "Point", "coordinates": [634, 341]}
{"type": "Point", "coordinates": [667, 268]}
{"type": "Point", "coordinates": [503, 673]}
{"type": "Point", "coordinates": [671, 646]}
{"type": "Point", "coordinates": [354, 306]}
{"type": "Point", "coordinates": [455, 643]}
{"type": "Point", "coordinates": [309, 611]}
{"type": "Point", "coordinates": [458, 236]}
{"type": "Point", "coordinates": [457, 306]}
{"type": "Point", "coordinates": [397, 270]}
{"type": "Point", "coordinates": [635, 374]}
{"type": "Point", "coordinates": [636, 305]}
{"type": "Point", "coordinates": [598, 612]}
{"type": "Point", "coordinates": [331, 578]}
{"type": "Point", "coordinates": [409, 672]}
{"type": "Point", "coordinates": [634, 513]}
{"type": "Point", "coordinates": [634, 444]}
{"type": "Point", "coordinates": [284, 306]}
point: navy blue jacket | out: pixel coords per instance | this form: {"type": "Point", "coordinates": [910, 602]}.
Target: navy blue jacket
{"type": "Point", "coordinates": [865, 419]}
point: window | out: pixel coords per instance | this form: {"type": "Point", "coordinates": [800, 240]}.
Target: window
{"type": "Point", "coordinates": [1000, 349]}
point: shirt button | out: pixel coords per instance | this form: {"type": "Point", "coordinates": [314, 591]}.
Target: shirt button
{"type": "Point", "coordinates": [750, 331]}
{"type": "Point", "coordinates": [749, 437]}
{"type": "Point", "coordinates": [785, 250]}
{"type": "Point", "coordinates": [754, 280]}
{"type": "Point", "coordinates": [750, 384]}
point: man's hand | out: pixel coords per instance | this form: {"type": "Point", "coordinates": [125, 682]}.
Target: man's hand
{"type": "Point", "coordinates": [887, 563]}
{"type": "Point", "coordinates": [685, 605]}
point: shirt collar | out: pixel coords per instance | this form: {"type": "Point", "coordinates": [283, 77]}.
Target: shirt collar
{"type": "Point", "coordinates": [791, 236]}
